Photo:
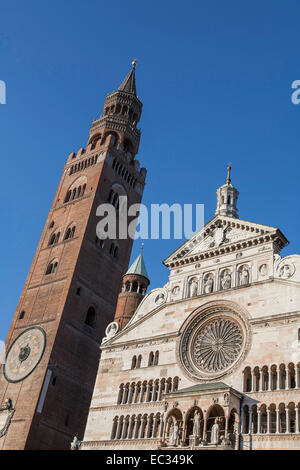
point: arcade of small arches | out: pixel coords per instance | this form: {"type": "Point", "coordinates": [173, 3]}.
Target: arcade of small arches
{"type": "Point", "coordinates": [135, 286]}
{"type": "Point", "coordinates": [121, 171]}
{"type": "Point", "coordinates": [146, 391]}
{"type": "Point", "coordinates": [273, 377]}
{"type": "Point", "coordinates": [175, 430]}
{"type": "Point", "coordinates": [83, 164]}
{"type": "Point", "coordinates": [123, 110]}
{"type": "Point", "coordinates": [140, 426]}
{"type": "Point", "coordinates": [273, 419]}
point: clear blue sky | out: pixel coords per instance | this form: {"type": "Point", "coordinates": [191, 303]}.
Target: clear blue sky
{"type": "Point", "coordinates": [215, 79]}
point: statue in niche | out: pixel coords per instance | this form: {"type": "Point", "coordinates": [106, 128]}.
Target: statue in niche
{"type": "Point", "coordinates": [215, 433]}
{"type": "Point", "coordinates": [196, 427]}
{"type": "Point", "coordinates": [175, 432]}
{"type": "Point", "coordinates": [226, 280]}
{"type": "Point", "coordinates": [208, 284]}
{"type": "Point", "coordinates": [193, 288]}
{"type": "Point", "coordinates": [244, 276]}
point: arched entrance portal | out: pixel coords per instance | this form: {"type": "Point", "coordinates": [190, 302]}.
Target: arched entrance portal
{"type": "Point", "coordinates": [215, 414]}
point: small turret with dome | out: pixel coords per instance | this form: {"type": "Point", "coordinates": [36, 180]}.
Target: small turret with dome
{"type": "Point", "coordinates": [227, 196]}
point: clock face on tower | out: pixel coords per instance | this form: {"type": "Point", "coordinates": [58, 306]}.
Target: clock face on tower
{"type": "Point", "coordinates": [24, 354]}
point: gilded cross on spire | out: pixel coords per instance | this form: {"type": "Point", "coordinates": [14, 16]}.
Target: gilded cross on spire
{"type": "Point", "coordinates": [134, 63]}
{"type": "Point", "coordinates": [228, 179]}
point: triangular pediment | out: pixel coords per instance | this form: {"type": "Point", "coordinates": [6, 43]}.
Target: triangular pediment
{"type": "Point", "coordinates": [220, 232]}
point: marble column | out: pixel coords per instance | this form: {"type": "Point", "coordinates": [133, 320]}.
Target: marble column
{"type": "Point", "coordinates": [119, 426]}
{"type": "Point", "coordinates": [162, 425]}
{"type": "Point", "coordinates": [154, 426]}
{"type": "Point", "coordinates": [287, 378]}
{"type": "Point", "coordinates": [287, 419]}
{"type": "Point", "coordinates": [136, 391]}
{"type": "Point", "coordinates": [154, 391]}
{"type": "Point", "coordinates": [277, 420]}
{"type": "Point", "coordinates": [270, 380]}
{"type": "Point", "coordinates": [261, 380]}
{"type": "Point", "coordinates": [159, 391]}
{"type": "Point", "coordinates": [143, 423]}
{"type": "Point", "coordinates": [258, 421]}
{"type": "Point", "coordinates": [131, 389]}
{"type": "Point", "coordinates": [166, 386]}
{"type": "Point", "coordinates": [268, 421]}
{"type": "Point", "coordinates": [148, 392]}
{"type": "Point", "coordinates": [241, 423]}
{"type": "Point", "coordinates": [204, 429]}
{"type": "Point", "coordinates": [226, 426]}
{"type": "Point", "coordinates": [125, 394]}
{"type": "Point", "coordinates": [125, 430]}
{"type": "Point", "coordinates": [250, 422]}
{"type": "Point", "coordinates": [142, 393]}
{"type": "Point", "coordinates": [297, 376]}
{"type": "Point", "coordinates": [135, 429]}
{"type": "Point", "coordinates": [130, 428]}
{"type": "Point", "coordinates": [173, 386]}
{"type": "Point", "coordinates": [147, 427]}
{"type": "Point", "coordinates": [296, 419]}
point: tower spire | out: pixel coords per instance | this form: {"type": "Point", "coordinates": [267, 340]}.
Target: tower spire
{"type": "Point", "coordinates": [228, 179]}
{"type": "Point", "coordinates": [117, 126]}
{"type": "Point", "coordinates": [128, 84]}
{"type": "Point", "coordinates": [227, 196]}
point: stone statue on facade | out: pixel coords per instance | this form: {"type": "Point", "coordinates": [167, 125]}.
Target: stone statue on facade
{"type": "Point", "coordinates": [175, 432]}
{"type": "Point", "coordinates": [196, 427]}
{"type": "Point", "coordinates": [215, 433]}
{"type": "Point", "coordinates": [244, 277]}
{"type": "Point", "coordinates": [193, 288]}
{"type": "Point", "coordinates": [226, 280]}
{"type": "Point", "coordinates": [75, 444]}
{"type": "Point", "coordinates": [208, 285]}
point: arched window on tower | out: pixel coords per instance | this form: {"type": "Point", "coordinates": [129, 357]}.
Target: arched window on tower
{"type": "Point", "coordinates": [70, 232]}
{"type": "Point", "coordinates": [77, 189]}
{"type": "Point", "coordinates": [51, 268]}
{"type": "Point", "coordinates": [54, 238]}
{"type": "Point", "coordinates": [90, 318]}
{"type": "Point", "coordinates": [156, 357]}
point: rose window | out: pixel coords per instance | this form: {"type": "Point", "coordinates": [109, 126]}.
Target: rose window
{"type": "Point", "coordinates": [217, 345]}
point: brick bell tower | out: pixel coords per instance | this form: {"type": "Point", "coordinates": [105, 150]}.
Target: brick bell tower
{"type": "Point", "coordinates": [71, 291]}
{"type": "Point", "coordinates": [134, 286]}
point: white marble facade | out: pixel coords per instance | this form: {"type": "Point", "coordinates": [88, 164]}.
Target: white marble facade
{"type": "Point", "coordinates": [214, 352]}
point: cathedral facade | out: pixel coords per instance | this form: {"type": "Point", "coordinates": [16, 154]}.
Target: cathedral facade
{"type": "Point", "coordinates": [211, 359]}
